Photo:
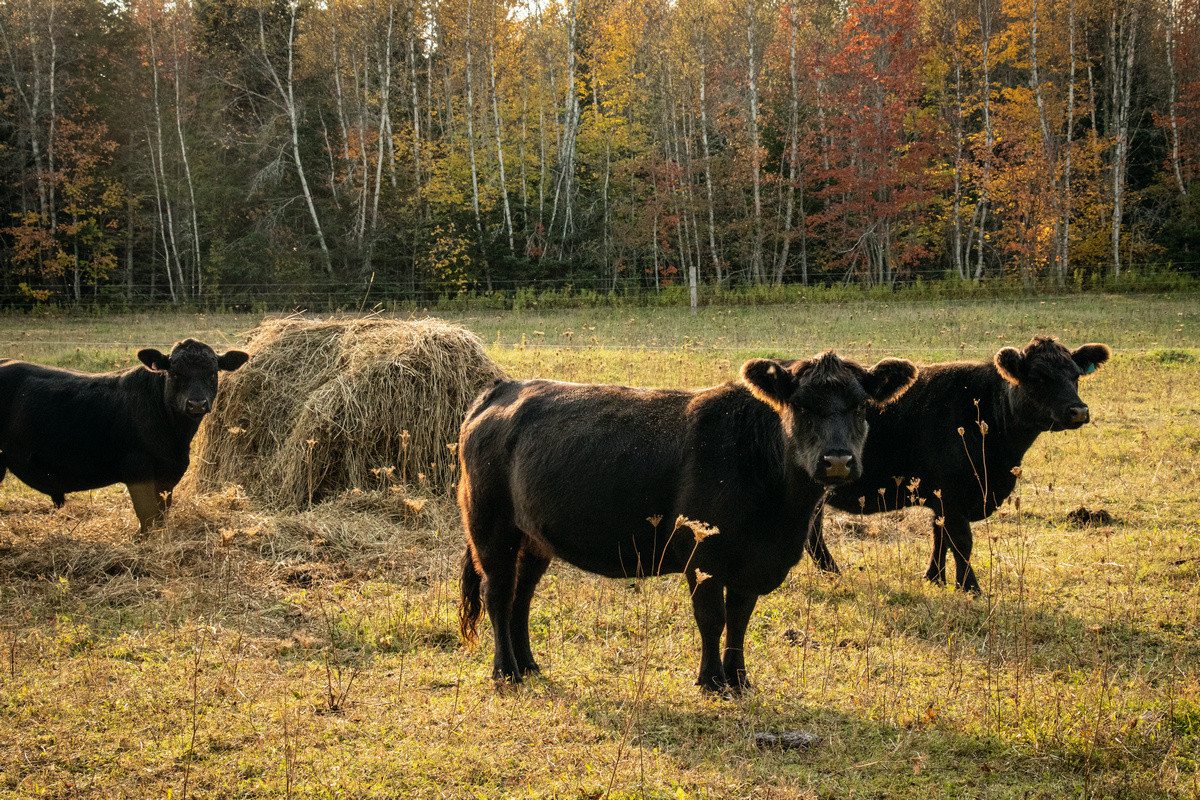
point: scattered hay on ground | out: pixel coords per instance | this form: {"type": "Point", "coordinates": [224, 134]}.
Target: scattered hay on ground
{"type": "Point", "coordinates": [220, 552]}
{"type": "Point", "coordinates": [908, 523]}
{"type": "Point", "coordinates": [324, 407]}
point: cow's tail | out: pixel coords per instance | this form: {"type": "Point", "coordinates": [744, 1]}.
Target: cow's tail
{"type": "Point", "coordinates": [471, 603]}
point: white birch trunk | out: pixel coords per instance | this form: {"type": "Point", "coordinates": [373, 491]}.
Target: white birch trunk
{"type": "Point", "coordinates": [708, 184]}
{"type": "Point", "coordinates": [187, 168]}
{"type": "Point", "coordinates": [470, 112]}
{"type": "Point", "coordinates": [1123, 88]}
{"type": "Point", "coordinates": [415, 108]}
{"type": "Point", "coordinates": [985, 24]}
{"type": "Point", "coordinates": [959, 266]}
{"type": "Point", "coordinates": [756, 251]}
{"type": "Point", "coordinates": [1049, 143]}
{"type": "Point", "coordinates": [1172, 90]}
{"type": "Point", "coordinates": [793, 146]}
{"type": "Point", "coordinates": [508, 225]}
{"type": "Point", "coordinates": [171, 244]}
{"type": "Point", "coordinates": [1065, 244]}
{"type": "Point", "coordinates": [159, 203]}
{"type": "Point", "coordinates": [291, 109]}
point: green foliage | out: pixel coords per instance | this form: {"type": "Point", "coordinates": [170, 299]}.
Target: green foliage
{"type": "Point", "coordinates": [1173, 357]}
{"type": "Point", "coordinates": [448, 265]}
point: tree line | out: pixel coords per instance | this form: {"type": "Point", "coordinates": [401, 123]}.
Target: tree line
{"type": "Point", "coordinates": [191, 150]}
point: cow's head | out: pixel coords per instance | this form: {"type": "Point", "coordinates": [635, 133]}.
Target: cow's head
{"type": "Point", "coordinates": [823, 403]}
{"type": "Point", "coordinates": [1045, 379]}
{"type": "Point", "coordinates": [191, 371]}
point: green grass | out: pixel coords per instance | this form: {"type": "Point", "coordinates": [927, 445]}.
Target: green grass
{"type": "Point", "coordinates": [246, 653]}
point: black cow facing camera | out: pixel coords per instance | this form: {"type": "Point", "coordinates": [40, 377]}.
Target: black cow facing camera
{"type": "Point", "coordinates": [600, 475]}
{"type": "Point", "coordinates": [65, 431]}
{"type": "Point", "coordinates": [953, 441]}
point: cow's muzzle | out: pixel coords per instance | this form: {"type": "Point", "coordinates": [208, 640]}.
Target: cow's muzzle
{"type": "Point", "coordinates": [1076, 416]}
{"type": "Point", "coordinates": [198, 408]}
{"type": "Point", "coordinates": [837, 467]}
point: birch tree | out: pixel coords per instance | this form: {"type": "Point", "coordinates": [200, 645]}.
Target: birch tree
{"type": "Point", "coordinates": [282, 79]}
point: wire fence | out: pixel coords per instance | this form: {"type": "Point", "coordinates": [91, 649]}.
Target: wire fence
{"type": "Point", "coordinates": [582, 289]}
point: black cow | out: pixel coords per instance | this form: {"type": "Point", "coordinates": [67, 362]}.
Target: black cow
{"type": "Point", "coordinates": [599, 475]}
{"type": "Point", "coordinates": [956, 437]}
{"type": "Point", "coordinates": [65, 431]}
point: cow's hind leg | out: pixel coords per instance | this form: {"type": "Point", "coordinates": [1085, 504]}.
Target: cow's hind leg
{"type": "Point", "coordinates": [497, 550]}
{"type": "Point", "coordinates": [530, 569]}
{"type": "Point", "coordinates": [708, 606]}
{"type": "Point", "coordinates": [738, 608]}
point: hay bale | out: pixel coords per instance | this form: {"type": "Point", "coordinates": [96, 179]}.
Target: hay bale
{"type": "Point", "coordinates": [328, 406]}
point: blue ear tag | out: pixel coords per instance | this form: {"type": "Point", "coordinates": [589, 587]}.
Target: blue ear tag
{"type": "Point", "coordinates": [1091, 368]}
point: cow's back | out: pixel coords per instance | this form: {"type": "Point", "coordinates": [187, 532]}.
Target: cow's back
{"type": "Point", "coordinates": [571, 465]}
{"type": "Point", "coordinates": [933, 433]}
{"type": "Point", "coordinates": [918, 433]}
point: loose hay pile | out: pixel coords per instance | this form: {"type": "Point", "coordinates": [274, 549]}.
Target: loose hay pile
{"type": "Point", "coordinates": [328, 406]}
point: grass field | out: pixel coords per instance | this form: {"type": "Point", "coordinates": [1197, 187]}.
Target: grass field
{"type": "Point", "coordinates": [246, 652]}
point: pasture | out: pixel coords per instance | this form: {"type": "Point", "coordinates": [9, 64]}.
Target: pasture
{"type": "Point", "coordinates": [247, 652]}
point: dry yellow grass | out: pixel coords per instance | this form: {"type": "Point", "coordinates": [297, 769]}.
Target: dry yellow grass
{"type": "Point", "coordinates": [252, 651]}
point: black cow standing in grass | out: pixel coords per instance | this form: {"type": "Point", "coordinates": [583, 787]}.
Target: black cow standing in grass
{"type": "Point", "coordinates": [955, 439]}
{"type": "Point", "coordinates": [599, 475]}
{"type": "Point", "coordinates": [65, 431]}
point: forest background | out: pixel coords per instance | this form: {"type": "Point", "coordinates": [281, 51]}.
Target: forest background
{"type": "Point", "coordinates": [287, 151]}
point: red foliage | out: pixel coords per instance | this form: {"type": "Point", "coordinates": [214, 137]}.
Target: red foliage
{"type": "Point", "coordinates": [876, 142]}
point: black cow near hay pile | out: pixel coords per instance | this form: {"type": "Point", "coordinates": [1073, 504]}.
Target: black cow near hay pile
{"type": "Point", "coordinates": [628, 483]}
{"type": "Point", "coordinates": [65, 431]}
{"type": "Point", "coordinates": [953, 442]}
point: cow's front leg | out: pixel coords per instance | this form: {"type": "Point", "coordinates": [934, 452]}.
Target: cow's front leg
{"type": "Point", "coordinates": [708, 606]}
{"type": "Point", "coordinates": [149, 505]}
{"type": "Point", "coordinates": [738, 608]}
{"type": "Point", "coordinates": [958, 532]}
{"type": "Point", "coordinates": [815, 545]}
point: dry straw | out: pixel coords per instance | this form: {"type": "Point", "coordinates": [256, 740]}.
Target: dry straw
{"type": "Point", "coordinates": [327, 406]}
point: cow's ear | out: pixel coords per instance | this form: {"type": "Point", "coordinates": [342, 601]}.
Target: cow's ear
{"type": "Point", "coordinates": [154, 359]}
{"type": "Point", "coordinates": [1011, 363]}
{"type": "Point", "coordinates": [889, 379]}
{"type": "Point", "coordinates": [1090, 356]}
{"type": "Point", "coordinates": [769, 381]}
{"type": "Point", "coordinates": [232, 359]}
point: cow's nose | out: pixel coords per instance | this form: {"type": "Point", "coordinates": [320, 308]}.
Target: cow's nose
{"type": "Point", "coordinates": [197, 407]}
{"type": "Point", "coordinates": [1078, 415]}
{"type": "Point", "coordinates": [837, 465]}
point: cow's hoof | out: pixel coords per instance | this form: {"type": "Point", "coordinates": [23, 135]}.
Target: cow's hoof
{"type": "Point", "coordinates": [503, 678]}
{"type": "Point", "coordinates": [713, 685]}
{"type": "Point", "coordinates": [736, 691]}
